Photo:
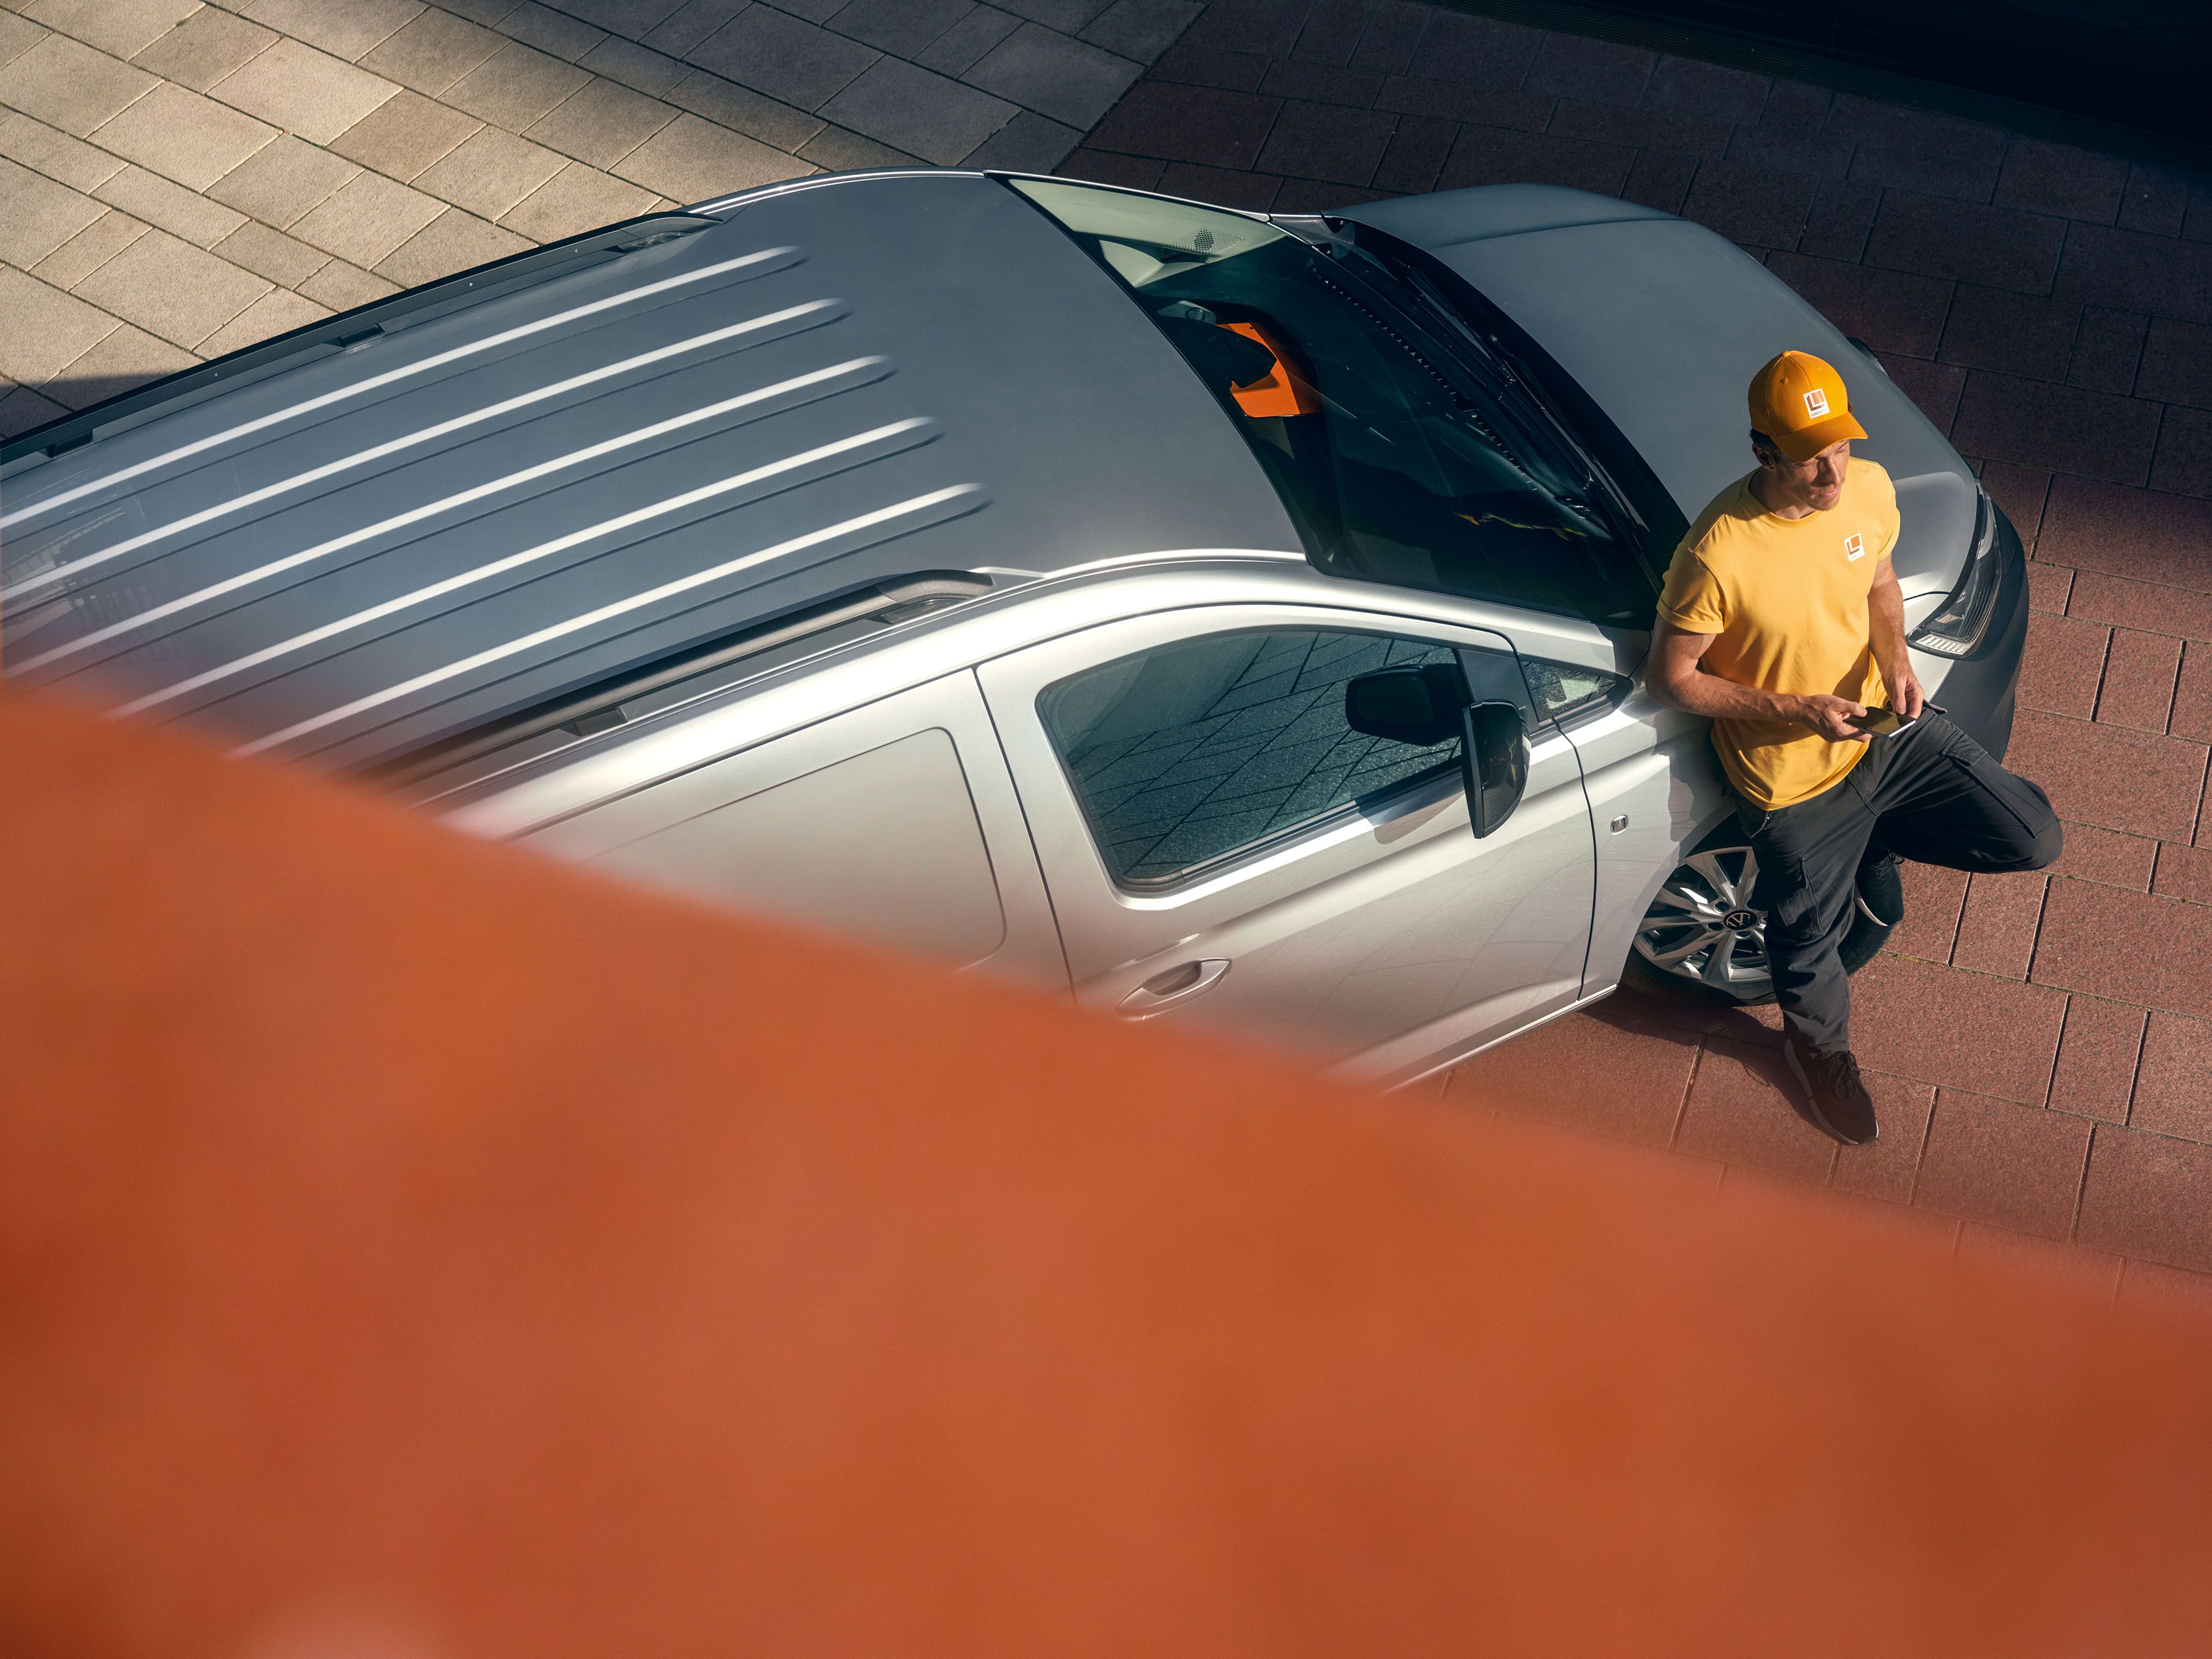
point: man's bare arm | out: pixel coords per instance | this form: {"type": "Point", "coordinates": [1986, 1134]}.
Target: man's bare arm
{"type": "Point", "coordinates": [1675, 677]}
{"type": "Point", "coordinates": [1885, 629]}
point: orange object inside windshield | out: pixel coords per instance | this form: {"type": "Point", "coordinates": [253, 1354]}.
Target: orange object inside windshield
{"type": "Point", "coordinates": [1279, 393]}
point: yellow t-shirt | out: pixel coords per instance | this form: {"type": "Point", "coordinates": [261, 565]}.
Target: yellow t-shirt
{"type": "Point", "coordinates": [1788, 600]}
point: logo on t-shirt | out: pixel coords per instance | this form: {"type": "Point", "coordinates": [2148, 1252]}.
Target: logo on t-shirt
{"type": "Point", "coordinates": [1816, 403]}
{"type": "Point", "coordinates": [1854, 547]}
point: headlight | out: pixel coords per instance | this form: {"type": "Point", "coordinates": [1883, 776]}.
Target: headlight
{"type": "Point", "coordinates": [1957, 625]}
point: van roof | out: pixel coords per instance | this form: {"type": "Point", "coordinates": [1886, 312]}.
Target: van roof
{"type": "Point", "coordinates": [468, 501]}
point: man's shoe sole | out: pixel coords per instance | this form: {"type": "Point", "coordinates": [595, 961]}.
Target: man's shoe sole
{"type": "Point", "coordinates": [1812, 1102]}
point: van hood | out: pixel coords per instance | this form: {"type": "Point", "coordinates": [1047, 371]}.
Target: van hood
{"type": "Point", "coordinates": [1664, 324]}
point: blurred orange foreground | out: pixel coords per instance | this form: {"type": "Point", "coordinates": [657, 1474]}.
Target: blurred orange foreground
{"type": "Point", "coordinates": [411, 1250]}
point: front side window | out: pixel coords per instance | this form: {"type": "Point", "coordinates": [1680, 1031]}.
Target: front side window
{"type": "Point", "coordinates": [1189, 755]}
{"type": "Point", "coordinates": [1399, 459]}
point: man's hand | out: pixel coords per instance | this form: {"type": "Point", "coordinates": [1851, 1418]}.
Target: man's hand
{"type": "Point", "coordinates": [1905, 693]}
{"type": "Point", "coordinates": [1830, 717]}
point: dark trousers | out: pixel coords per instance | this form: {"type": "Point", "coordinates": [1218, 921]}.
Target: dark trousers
{"type": "Point", "coordinates": [1932, 794]}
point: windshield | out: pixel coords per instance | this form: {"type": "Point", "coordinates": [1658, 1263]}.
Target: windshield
{"type": "Point", "coordinates": [1401, 459]}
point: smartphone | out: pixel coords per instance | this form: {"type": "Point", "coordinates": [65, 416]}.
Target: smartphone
{"type": "Point", "coordinates": [1887, 723]}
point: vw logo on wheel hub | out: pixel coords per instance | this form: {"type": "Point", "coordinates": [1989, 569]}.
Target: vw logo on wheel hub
{"type": "Point", "coordinates": [1741, 921]}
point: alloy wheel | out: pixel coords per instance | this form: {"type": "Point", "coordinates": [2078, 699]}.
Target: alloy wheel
{"type": "Point", "coordinates": [1703, 927]}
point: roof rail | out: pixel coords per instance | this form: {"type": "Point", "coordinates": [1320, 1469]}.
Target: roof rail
{"type": "Point", "coordinates": [341, 333]}
{"type": "Point", "coordinates": [599, 707]}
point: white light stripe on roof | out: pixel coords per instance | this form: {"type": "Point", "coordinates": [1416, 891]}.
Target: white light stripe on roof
{"type": "Point", "coordinates": [62, 498]}
{"type": "Point", "coordinates": [361, 458]}
{"type": "Point", "coordinates": [431, 509]}
{"type": "Point", "coordinates": [605, 613]}
{"type": "Point", "coordinates": [513, 561]}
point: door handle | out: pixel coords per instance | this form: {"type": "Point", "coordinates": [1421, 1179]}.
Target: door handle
{"type": "Point", "coordinates": [1176, 985]}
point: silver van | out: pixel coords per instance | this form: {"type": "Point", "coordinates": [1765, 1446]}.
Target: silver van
{"type": "Point", "coordinates": [1206, 615]}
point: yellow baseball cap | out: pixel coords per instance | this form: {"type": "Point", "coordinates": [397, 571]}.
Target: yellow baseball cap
{"type": "Point", "coordinates": [1800, 402]}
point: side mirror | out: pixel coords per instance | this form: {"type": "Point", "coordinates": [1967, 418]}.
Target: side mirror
{"type": "Point", "coordinates": [1493, 759]}
{"type": "Point", "coordinates": [1420, 706]}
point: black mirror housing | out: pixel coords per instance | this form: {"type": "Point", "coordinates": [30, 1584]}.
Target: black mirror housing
{"type": "Point", "coordinates": [1493, 760]}
{"type": "Point", "coordinates": [1420, 706]}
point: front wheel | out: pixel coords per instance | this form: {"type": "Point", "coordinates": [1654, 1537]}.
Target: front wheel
{"type": "Point", "coordinates": [1704, 941]}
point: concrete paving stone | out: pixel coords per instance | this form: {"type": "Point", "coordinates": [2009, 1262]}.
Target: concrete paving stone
{"type": "Point", "coordinates": [1447, 100]}
{"type": "Point", "coordinates": [2184, 873]}
{"type": "Point", "coordinates": [89, 249]}
{"type": "Point", "coordinates": [489, 172]}
{"type": "Point", "coordinates": [514, 87]}
{"type": "Point", "coordinates": [801, 64]}
{"type": "Point", "coordinates": [341, 286]}
{"type": "Point", "coordinates": [433, 52]}
{"type": "Point", "coordinates": [42, 329]}
{"type": "Point", "coordinates": [486, 12]}
{"type": "Point", "coordinates": [68, 85]}
{"type": "Point", "coordinates": [576, 199]}
{"type": "Point", "coordinates": [120, 28]}
{"type": "Point", "coordinates": [204, 48]}
{"type": "Point", "coordinates": [902, 28]}
{"type": "Point", "coordinates": [961, 47]}
{"type": "Point", "coordinates": [2155, 199]}
{"type": "Point", "coordinates": [917, 111]}
{"type": "Point", "coordinates": [1934, 387]}
{"type": "Point", "coordinates": [1749, 204]}
{"type": "Point", "coordinates": [601, 123]}
{"type": "Point", "coordinates": [1742, 1110]}
{"type": "Point", "coordinates": [171, 289]}
{"type": "Point", "coordinates": [2173, 1083]}
{"type": "Point", "coordinates": [1416, 153]}
{"type": "Point", "coordinates": [690, 24]}
{"type": "Point", "coordinates": [2148, 1197]}
{"type": "Point", "coordinates": [183, 135]}
{"type": "Point", "coordinates": [169, 206]}
{"type": "Point", "coordinates": [2063, 664]}
{"type": "Point", "coordinates": [1686, 86]}
{"type": "Point", "coordinates": [21, 409]}
{"type": "Point", "coordinates": [2147, 1287]}
{"type": "Point", "coordinates": [2093, 853]}
{"type": "Point", "coordinates": [1588, 1071]}
{"type": "Point", "coordinates": [1267, 26]}
{"type": "Point", "coordinates": [839, 149]}
{"type": "Point", "coordinates": [1886, 1166]}
{"type": "Point", "coordinates": [1570, 66]}
{"type": "Point", "coordinates": [273, 254]}
{"type": "Point", "coordinates": [692, 160]}
{"type": "Point", "coordinates": [2098, 1053]}
{"type": "Point", "coordinates": [2140, 671]}
{"type": "Point", "coordinates": [1996, 929]}
{"type": "Point", "coordinates": [1890, 310]}
{"type": "Point", "coordinates": [1106, 167]}
{"type": "Point", "coordinates": [1997, 247]}
{"type": "Point", "coordinates": [2123, 532]}
{"type": "Point", "coordinates": [2019, 493]}
{"type": "Point", "coordinates": [1049, 73]}
{"type": "Point", "coordinates": [1958, 1030]}
{"type": "Point", "coordinates": [2067, 1269]}
{"type": "Point", "coordinates": [1312, 196]}
{"type": "Point", "coordinates": [1322, 83]}
{"type": "Point", "coordinates": [310, 94]}
{"type": "Point", "coordinates": [124, 359]}
{"type": "Point", "coordinates": [2197, 224]}
{"type": "Point", "coordinates": [366, 218]}
{"type": "Point", "coordinates": [1485, 53]}
{"type": "Point", "coordinates": [639, 68]}
{"type": "Point", "coordinates": [344, 28]}
{"type": "Point", "coordinates": [2176, 363]}
{"type": "Point", "coordinates": [1338, 146]}
{"type": "Point", "coordinates": [743, 110]}
{"type": "Point", "coordinates": [1066, 15]}
{"type": "Point", "coordinates": [17, 36]}
{"type": "Point", "coordinates": [1917, 149]}
{"type": "Point", "coordinates": [2184, 463]}
{"type": "Point", "coordinates": [2003, 1164]}
{"type": "Point", "coordinates": [405, 134]}
{"type": "Point", "coordinates": [1393, 35]}
{"type": "Point", "coordinates": [1484, 155]}
{"type": "Point", "coordinates": [2108, 349]}
{"type": "Point", "coordinates": [633, 18]}
{"type": "Point", "coordinates": [2193, 694]}
{"type": "Point", "coordinates": [2131, 947]}
{"type": "Point", "coordinates": [37, 216]}
{"type": "Point", "coordinates": [1933, 900]}
{"type": "Point", "coordinates": [1796, 109]}
{"type": "Point", "coordinates": [1822, 159]}
{"type": "Point", "coordinates": [453, 241]}
{"type": "Point", "coordinates": [1142, 29]}
{"type": "Point", "coordinates": [551, 31]}
{"type": "Point", "coordinates": [2016, 333]}
{"type": "Point", "coordinates": [280, 182]}
{"type": "Point", "coordinates": [1330, 30]}
{"type": "Point", "coordinates": [1840, 220]}
{"type": "Point", "coordinates": [1659, 181]}
{"type": "Point", "coordinates": [2140, 783]}
{"type": "Point", "coordinates": [1256, 192]}
{"type": "Point", "coordinates": [1188, 123]}
{"type": "Point", "coordinates": [2063, 428]}
{"type": "Point", "coordinates": [2073, 184]}
{"type": "Point", "coordinates": [2049, 587]}
{"type": "Point", "coordinates": [278, 312]}
{"type": "Point", "coordinates": [1679, 133]}
{"type": "Point", "coordinates": [1028, 143]}
{"type": "Point", "coordinates": [2131, 271]}
{"type": "Point", "coordinates": [59, 157]}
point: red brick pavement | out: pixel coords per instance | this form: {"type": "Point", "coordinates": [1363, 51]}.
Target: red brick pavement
{"type": "Point", "coordinates": [2042, 1044]}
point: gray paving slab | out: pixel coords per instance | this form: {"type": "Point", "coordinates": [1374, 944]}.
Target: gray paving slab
{"type": "Point", "coordinates": [404, 135]}
{"type": "Point", "coordinates": [341, 286]}
{"type": "Point", "coordinates": [205, 47]}
{"type": "Point", "coordinates": [432, 51]}
{"type": "Point", "coordinates": [453, 241]}
{"type": "Point", "coordinates": [70, 86]}
{"type": "Point", "coordinates": [491, 171]}
{"type": "Point", "coordinates": [344, 28]}
{"type": "Point", "coordinates": [89, 249]}
{"type": "Point", "coordinates": [798, 62]}
{"type": "Point", "coordinates": [366, 218]}
{"type": "Point", "coordinates": [277, 312]}
{"type": "Point", "coordinates": [960, 47]}
{"type": "Point", "coordinates": [306, 92]}
{"type": "Point", "coordinates": [269, 253]}
{"type": "Point", "coordinates": [171, 289]}
{"type": "Point", "coordinates": [283, 180]}
{"type": "Point", "coordinates": [118, 28]}
{"type": "Point", "coordinates": [66, 160]}
{"type": "Point", "coordinates": [37, 216]}
{"type": "Point", "coordinates": [918, 111]}
{"type": "Point", "coordinates": [184, 136]}
{"type": "Point", "coordinates": [1042, 70]}
{"type": "Point", "coordinates": [515, 85]}
{"type": "Point", "coordinates": [43, 330]}
{"type": "Point", "coordinates": [550, 31]}
{"type": "Point", "coordinates": [576, 199]}
{"type": "Point", "coordinates": [124, 357]}
{"type": "Point", "coordinates": [600, 123]}
{"type": "Point", "coordinates": [163, 202]}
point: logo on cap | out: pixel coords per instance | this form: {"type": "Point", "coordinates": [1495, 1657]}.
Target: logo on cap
{"type": "Point", "coordinates": [1816, 403]}
{"type": "Point", "coordinates": [1854, 547]}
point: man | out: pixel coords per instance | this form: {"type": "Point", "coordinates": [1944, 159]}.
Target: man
{"type": "Point", "coordinates": [1781, 620]}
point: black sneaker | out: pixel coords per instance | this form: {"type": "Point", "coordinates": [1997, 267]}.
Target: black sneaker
{"type": "Point", "coordinates": [1881, 889]}
{"type": "Point", "coordinates": [1839, 1100]}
